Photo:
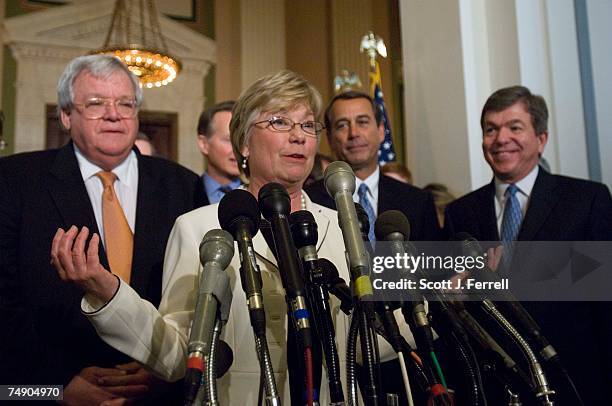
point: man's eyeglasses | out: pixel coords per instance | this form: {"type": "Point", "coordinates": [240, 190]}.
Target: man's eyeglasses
{"type": "Point", "coordinates": [284, 125]}
{"type": "Point", "coordinates": [96, 107]}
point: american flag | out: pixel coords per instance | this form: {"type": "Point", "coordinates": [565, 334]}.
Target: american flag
{"type": "Point", "coordinates": [386, 152]}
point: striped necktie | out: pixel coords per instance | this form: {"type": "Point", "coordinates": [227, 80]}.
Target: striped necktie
{"type": "Point", "coordinates": [118, 237]}
{"type": "Point", "coordinates": [511, 223]}
{"type": "Point", "coordinates": [362, 192]}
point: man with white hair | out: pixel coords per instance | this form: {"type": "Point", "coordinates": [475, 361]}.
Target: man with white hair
{"type": "Point", "coordinates": [101, 187]}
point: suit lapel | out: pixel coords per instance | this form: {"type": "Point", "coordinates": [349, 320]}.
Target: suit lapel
{"type": "Point", "coordinates": [384, 195]}
{"type": "Point", "coordinates": [68, 192]}
{"type": "Point", "coordinates": [541, 202]}
{"type": "Point", "coordinates": [147, 226]}
{"type": "Point", "coordinates": [487, 219]}
{"type": "Point", "coordinates": [322, 220]}
{"type": "Point", "coordinates": [262, 249]}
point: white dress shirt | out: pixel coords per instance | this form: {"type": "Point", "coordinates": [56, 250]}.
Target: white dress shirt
{"type": "Point", "coordinates": [372, 183]}
{"type": "Point", "coordinates": [524, 186]}
{"type": "Point", "coordinates": [126, 187]}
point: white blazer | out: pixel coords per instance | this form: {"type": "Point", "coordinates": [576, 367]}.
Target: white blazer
{"type": "Point", "coordinates": [159, 338]}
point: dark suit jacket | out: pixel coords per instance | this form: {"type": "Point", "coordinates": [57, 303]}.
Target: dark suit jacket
{"type": "Point", "coordinates": [205, 201]}
{"type": "Point", "coordinates": [44, 337]}
{"type": "Point", "coordinates": [560, 209]}
{"type": "Point", "coordinates": [417, 205]}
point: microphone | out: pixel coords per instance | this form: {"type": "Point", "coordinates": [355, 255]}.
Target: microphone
{"type": "Point", "coordinates": [239, 215]}
{"type": "Point", "coordinates": [393, 227]}
{"type": "Point", "coordinates": [395, 235]}
{"type": "Point", "coordinates": [340, 184]}
{"type": "Point", "coordinates": [213, 302]}
{"type": "Point", "coordinates": [363, 220]}
{"type": "Point", "coordinates": [305, 235]}
{"type": "Point", "coordinates": [364, 226]}
{"type": "Point", "coordinates": [275, 205]}
{"type": "Point", "coordinates": [336, 285]}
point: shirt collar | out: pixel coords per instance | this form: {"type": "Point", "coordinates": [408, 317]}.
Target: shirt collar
{"type": "Point", "coordinates": [525, 185]}
{"type": "Point", "coordinates": [123, 170]}
{"type": "Point", "coordinates": [212, 185]}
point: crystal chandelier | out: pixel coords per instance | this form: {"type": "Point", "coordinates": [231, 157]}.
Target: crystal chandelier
{"type": "Point", "coordinates": [138, 42]}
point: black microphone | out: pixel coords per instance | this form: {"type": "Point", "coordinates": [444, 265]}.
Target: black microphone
{"type": "Point", "coordinates": [239, 215]}
{"type": "Point", "coordinates": [364, 226]}
{"type": "Point", "coordinates": [385, 308]}
{"type": "Point", "coordinates": [275, 205]}
{"type": "Point", "coordinates": [393, 227]}
{"type": "Point", "coordinates": [336, 285]}
{"type": "Point", "coordinates": [304, 230]}
{"type": "Point", "coordinates": [214, 301]}
{"type": "Point", "coordinates": [340, 184]}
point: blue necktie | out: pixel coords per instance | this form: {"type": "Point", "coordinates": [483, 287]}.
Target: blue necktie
{"type": "Point", "coordinates": [511, 223]}
{"type": "Point", "coordinates": [365, 203]}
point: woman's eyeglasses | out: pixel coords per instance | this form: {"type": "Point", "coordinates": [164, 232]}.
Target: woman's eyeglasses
{"type": "Point", "coordinates": [284, 125]}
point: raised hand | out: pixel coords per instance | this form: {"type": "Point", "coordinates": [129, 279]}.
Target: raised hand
{"type": "Point", "coordinates": [74, 263]}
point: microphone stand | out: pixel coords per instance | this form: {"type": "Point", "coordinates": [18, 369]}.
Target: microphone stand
{"type": "Point", "coordinates": [319, 299]}
{"type": "Point", "coordinates": [305, 235]}
{"type": "Point", "coordinates": [210, 387]}
{"type": "Point", "coordinates": [542, 390]}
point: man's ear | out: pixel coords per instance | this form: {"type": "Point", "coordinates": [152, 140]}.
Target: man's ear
{"type": "Point", "coordinates": [203, 144]}
{"type": "Point", "coordinates": [543, 139]}
{"type": "Point", "coordinates": [381, 132]}
{"type": "Point", "coordinates": [65, 119]}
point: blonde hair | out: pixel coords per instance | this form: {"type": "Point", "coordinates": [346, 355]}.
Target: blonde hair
{"type": "Point", "coordinates": [284, 90]}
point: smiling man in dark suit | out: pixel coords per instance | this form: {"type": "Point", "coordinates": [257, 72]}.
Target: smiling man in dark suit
{"type": "Point", "coordinates": [45, 338]}
{"type": "Point", "coordinates": [355, 131]}
{"type": "Point", "coordinates": [525, 203]}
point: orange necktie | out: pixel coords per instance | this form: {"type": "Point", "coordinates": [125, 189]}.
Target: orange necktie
{"type": "Point", "coordinates": [117, 234]}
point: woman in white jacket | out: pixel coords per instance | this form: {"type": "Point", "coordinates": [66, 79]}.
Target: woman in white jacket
{"type": "Point", "coordinates": [275, 135]}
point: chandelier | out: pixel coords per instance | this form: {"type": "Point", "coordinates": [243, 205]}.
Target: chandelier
{"type": "Point", "coordinates": [138, 42]}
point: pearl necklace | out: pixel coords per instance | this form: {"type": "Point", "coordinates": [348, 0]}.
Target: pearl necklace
{"type": "Point", "coordinates": [303, 197]}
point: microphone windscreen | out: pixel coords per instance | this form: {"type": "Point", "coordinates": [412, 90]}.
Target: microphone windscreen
{"type": "Point", "coordinates": [225, 358]}
{"type": "Point", "coordinates": [235, 204]}
{"type": "Point", "coordinates": [273, 200]}
{"type": "Point", "coordinates": [217, 245]}
{"type": "Point", "coordinates": [391, 221]}
{"type": "Point", "coordinates": [301, 216]}
{"type": "Point", "coordinates": [339, 177]}
{"type": "Point", "coordinates": [304, 228]}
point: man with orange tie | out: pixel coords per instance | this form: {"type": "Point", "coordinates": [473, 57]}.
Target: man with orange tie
{"type": "Point", "coordinates": [97, 192]}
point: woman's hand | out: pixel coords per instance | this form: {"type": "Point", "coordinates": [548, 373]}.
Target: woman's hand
{"type": "Point", "coordinates": [74, 263]}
